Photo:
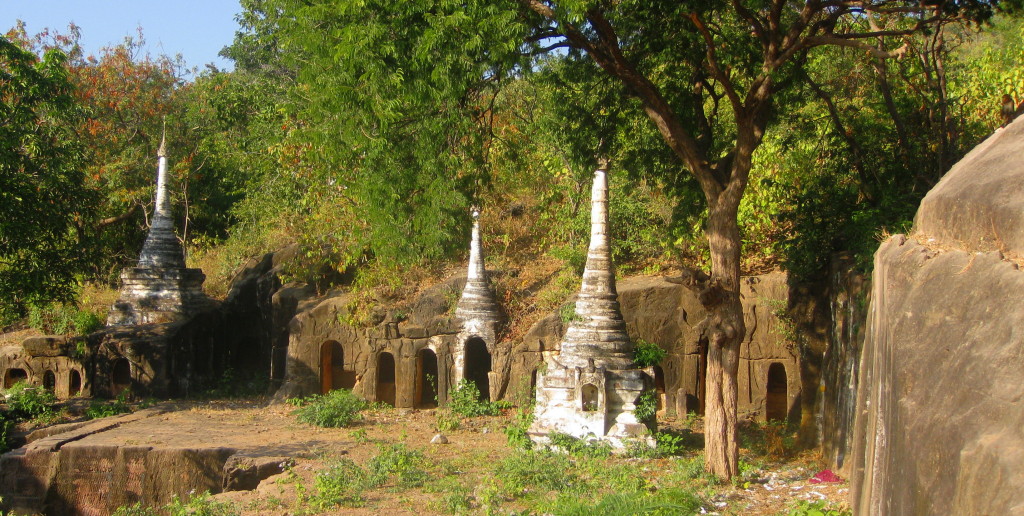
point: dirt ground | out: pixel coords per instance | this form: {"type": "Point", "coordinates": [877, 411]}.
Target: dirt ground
{"type": "Point", "coordinates": [467, 461]}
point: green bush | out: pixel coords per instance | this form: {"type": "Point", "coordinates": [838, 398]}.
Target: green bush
{"type": "Point", "coordinates": [396, 460]}
{"type": "Point", "coordinates": [464, 400]}
{"type": "Point", "coordinates": [662, 502]}
{"type": "Point", "coordinates": [63, 319]}
{"type": "Point", "coordinates": [119, 405]}
{"type": "Point", "coordinates": [27, 402]}
{"type": "Point", "coordinates": [646, 407]}
{"type": "Point", "coordinates": [579, 447]}
{"type": "Point", "coordinates": [198, 505]}
{"type": "Point", "coordinates": [337, 408]}
{"type": "Point", "coordinates": [647, 354]}
{"type": "Point", "coordinates": [342, 483]}
{"type": "Point", "coordinates": [815, 508]}
{"type": "Point", "coordinates": [516, 431]}
{"type": "Point", "coordinates": [536, 470]}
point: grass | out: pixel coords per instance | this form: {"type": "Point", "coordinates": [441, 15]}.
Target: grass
{"type": "Point", "coordinates": [337, 408]}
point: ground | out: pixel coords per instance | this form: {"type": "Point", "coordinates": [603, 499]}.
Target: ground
{"type": "Point", "coordinates": [477, 471]}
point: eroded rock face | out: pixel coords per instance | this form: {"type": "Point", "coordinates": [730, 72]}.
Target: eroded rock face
{"type": "Point", "coordinates": [939, 402]}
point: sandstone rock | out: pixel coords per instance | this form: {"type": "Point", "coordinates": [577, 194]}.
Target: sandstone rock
{"type": "Point", "coordinates": [939, 411]}
{"type": "Point", "coordinates": [439, 439]}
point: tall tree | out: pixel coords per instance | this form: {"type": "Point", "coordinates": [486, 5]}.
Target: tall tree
{"type": "Point", "coordinates": [43, 201]}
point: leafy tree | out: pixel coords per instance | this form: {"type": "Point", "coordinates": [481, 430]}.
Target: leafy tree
{"type": "Point", "coordinates": [43, 199]}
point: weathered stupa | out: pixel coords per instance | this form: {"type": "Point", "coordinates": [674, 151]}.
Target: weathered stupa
{"type": "Point", "coordinates": [590, 388]}
{"type": "Point", "coordinates": [480, 316]}
{"type": "Point", "coordinates": [160, 289]}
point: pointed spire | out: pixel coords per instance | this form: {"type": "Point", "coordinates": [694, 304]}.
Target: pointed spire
{"type": "Point", "coordinates": [162, 248]}
{"type": "Point", "coordinates": [599, 331]}
{"type": "Point", "coordinates": [162, 151]}
{"type": "Point", "coordinates": [477, 301]}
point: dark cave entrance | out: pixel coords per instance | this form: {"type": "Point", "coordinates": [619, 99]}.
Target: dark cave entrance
{"type": "Point", "coordinates": [777, 399]}
{"type": "Point", "coordinates": [386, 378]}
{"type": "Point", "coordinates": [478, 365]}
{"type": "Point", "coordinates": [426, 379]}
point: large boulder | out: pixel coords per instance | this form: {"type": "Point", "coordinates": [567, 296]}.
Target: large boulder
{"type": "Point", "coordinates": [940, 403]}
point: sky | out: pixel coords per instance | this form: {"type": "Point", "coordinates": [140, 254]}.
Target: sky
{"type": "Point", "coordinates": [197, 29]}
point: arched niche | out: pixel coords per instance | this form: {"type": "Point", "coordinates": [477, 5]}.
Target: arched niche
{"type": "Point", "coordinates": [74, 383]}
{"type": "Point", "coordinates": [49, 381]}
{"type": "Point", "coordinates": [777, 396]}
{"type": "Point", "coordinates": [13, 376]}
{"type": "Point", "coordinates": [386, 378]}
{"type": "Point", "coordinates": [477, 365]}
{"type": "Point", "coordinates": [426, 378]}
{"type": "Point", "coordinates": [332, 363]}
{"type": "Point", "coordinates": [120, 376]}
{"type": "Point", "coordinates": [590, 399]}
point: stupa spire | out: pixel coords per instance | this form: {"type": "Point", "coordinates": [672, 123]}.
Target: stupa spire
{"type": "Point", "coordinates": [162, 248]}
{"type": "Point", "coordinates": [477, 301]}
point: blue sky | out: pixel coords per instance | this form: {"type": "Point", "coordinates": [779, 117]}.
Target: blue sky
{"type": "Point", "coordinates": [197, 29]}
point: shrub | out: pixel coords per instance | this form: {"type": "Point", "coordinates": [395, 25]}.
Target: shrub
{"type": "Point", "coordinates": [516, 431]}
{"type": "Point", "coordinates": [647, 354]}
{"type": "Point", "coordinates": [118, 405]}
{"type": "Point", "coordinates": [27, 402]}
{"type": "Point", "coordinates": [815, 508]}
{"type": "Point", "coordinates": [396, 460]}
{"type": "Point", "coordinates": [536, 470]}
{"type": "Point", "coordinates": [342, 483]}
{"type": "Point", "coordinates": [464, 400]}
{"type": "Point", "coordinates": [579, 447]}
{"type": "Point", "coordinates": [646, 407]}
{"type": "Point", "coordinates": [337, 408]}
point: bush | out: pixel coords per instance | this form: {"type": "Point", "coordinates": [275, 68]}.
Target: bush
{"type": "Point", "coordinates": [534, 470]}
{"type": "Point", "coordinates": [119, 405]}
{"type": "Point", "coordinates": [63, 319]}
{"type": "Point", "coordinates": [647, 354]}
{"type": "Point", "coordinates": [27, 402]}
{"type": "Point", "coordinates": [337, 408]}
{"type": "Point", "coordinates": [516, 431]}
{"type": "Point", "coordinates": [579, 447]}
{"type": "Point", "coordinates": [646, 407]}
{"type": "Point", "coordinates": [341, 484]}
{"type": "Point", "coordinates": [396, 460]}
{"type": "Point", "coordinates": [464, 400]}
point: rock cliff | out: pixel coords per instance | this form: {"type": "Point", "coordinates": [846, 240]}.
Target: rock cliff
{"type": "Point", "coordinates": [940, 403]}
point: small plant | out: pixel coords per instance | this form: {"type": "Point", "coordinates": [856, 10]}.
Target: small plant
{"type": "Point", "coordinates": [342, 484]}
{"type": "Point", "coordinates": [396, 460]}
{"type": "Point", "coordinates": [647, 354]}
{"type": "Point", "coordinates": [516, 431]}
{"type": "Point", "coordinates": [464, 400]}
{"type": "Point", "coordinates": [447, 421]}
{"type": "Point", "coordinates": [815, 508]}
{"type": "Point", "coordinates": [27, 402]}
{"type": "Point", "coordinates": [646, 407]}
{"type": "Point", "coordinates": [579, 447]}
{"type": "Point", "coordinates": [200, 505]}
{"type": "Point", "coordinates": [567, 313]}
{"type": "Point", "coordinates": [337, 408]}
{"type": "Point", "coordinates": [535, 470]}
{"type": "Point", "coordinates": [118, 405]}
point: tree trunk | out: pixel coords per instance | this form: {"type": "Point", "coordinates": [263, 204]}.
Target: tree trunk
{"type": "Point", "coordinates": [724, 332]}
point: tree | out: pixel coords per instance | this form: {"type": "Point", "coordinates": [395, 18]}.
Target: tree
{"type": "Point", "coordinates": [43, 200]}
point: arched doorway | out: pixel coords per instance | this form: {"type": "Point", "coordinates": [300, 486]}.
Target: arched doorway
{"type": "Point", "coordinates": [13, 376]}
{"type": "Point", "coordinates": [659, 389]}
{"type": "Point", "coordinates": [426, 378]}
{"type": "Point", "coordinates": [777, 399]}
{"type": "Point", "coordinates": [49, 381]}
{"type": "Point", "coordinates": [477, 365]}
{"type": "Point", "coordinates": [120, 376]}
{"type": "Point", "coordinates": [386, 378]}
{"type": "Point", "coordinates": [74, 383]}
{"type": "Point", "coordinates": [332, 364]}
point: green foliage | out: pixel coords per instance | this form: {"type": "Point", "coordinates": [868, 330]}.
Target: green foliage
{"type": "Point", "coordinates": [579, 447]}
{"type": "Point", "coordinates": [337, 408]}
{"type": "Point", "coordinates": [815, 508]}
{"type": "Point", "coordinates": [119, 405]}
{"type": "Point", "coordinates": [343, 483]}
{"type": "Point", "coordinates": [398, 462]}
{"type": "Point", "coordinates": [662, 502]}
{"type": "Point", "coordinates": [536, 470]}
{"type": "Point", "coordinates": [43, 195]}
{"type": "Point", "coordinates": [27, 402]}
{"type": "Point", "coordinates": [196, 505]}
{"type": "Point", "coordinates": [516, 430]}
{"type": "Point", "coordinates": [567, 313]}
{"type": "Point", "coordinates": [464, 400]}
{"type": "Point", "coordinates": [63, 319]}
{"type": "Point", "coordinates": [647, 354]}
{"type": "Point", "coordinates": [646, 407]}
